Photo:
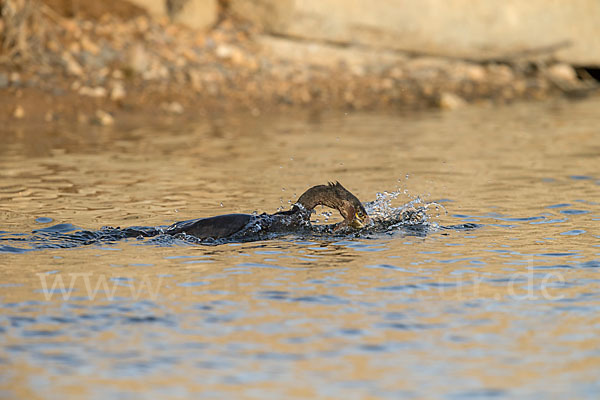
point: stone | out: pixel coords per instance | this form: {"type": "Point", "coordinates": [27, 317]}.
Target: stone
{"type": "Point", "coordinates": [475, 73]}
{"type": "Point", "coordinates": [89, 46]}
{"type": "Point", "coordinates": [138, 59]}
{"type": "Point", "coordinates": [562, 72]}
{"type": "Point", "coordinates": [230, 53]}
{"type": "Point", "coordinates": [489, 30]}
{"type": "Point", "coordinates": [19, 112]}
{"type": "Point", "coordinates": [15, 78]}
{"type": "Point", "coordinates": [173, 107]}
{"type": "Point", "coordinates": [224, 51]}
{"type": "Point", "coordinates": [451, 101]}
{"type": "Point", "coordinates": [97, 92]}
{"type": "Point", "coordinates": [117, 92]}
{"type": "Point", "coordinates": [71, 65]}
{"type": "Point", "coordinates": [103, 118]}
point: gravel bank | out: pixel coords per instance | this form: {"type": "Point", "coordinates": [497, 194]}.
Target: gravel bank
{"type": "Point", "coordinates": [100, 65]}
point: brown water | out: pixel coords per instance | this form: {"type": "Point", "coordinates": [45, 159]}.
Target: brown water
{"type": "Point", "coordinates": [508, 310]}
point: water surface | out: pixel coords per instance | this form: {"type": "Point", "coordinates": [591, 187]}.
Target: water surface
{"type": "Point", "coordinates": [507, 310]}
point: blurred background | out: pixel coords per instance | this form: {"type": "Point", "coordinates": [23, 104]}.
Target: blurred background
{"type": "Point", "coordinates": [113, 57]}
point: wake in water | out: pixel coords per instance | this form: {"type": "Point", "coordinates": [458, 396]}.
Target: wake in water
{"type": "Point", "coordinates": [415, 218]}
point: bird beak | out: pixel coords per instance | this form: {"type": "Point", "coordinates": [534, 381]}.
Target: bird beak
{"type": "Point", "coordinates": [358, 222]}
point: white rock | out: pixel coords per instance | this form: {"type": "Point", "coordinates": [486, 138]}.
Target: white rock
{"type": "Point", "coordinates": [476, 73]}
{"type": "Point", "coordinates": [451, 101]}
{"type": "Point", "coordinates": [224, 51]}
{"type": "Point", "coordinates": [97, 92]}
{"type": "Point", "coordinates": [118, 92]}
{"type": "Point", "coordinates": [15, 78]}
{"type": "Point", "coordinates": [104, 118]}
{"type": "Point", "coordinates": [72, 66]}
{"type": "Point", "coordinates": [173, 107]}
{"type": "Point", "coordinates": [89, 46]}
{"type": "Point", "coordinates": [19, 112]}
{"type": "Point", "coordinates": [481, 30]}
{"type": "Point", "coordinates": [562, 72]}
{"type": "Point", "coordinates": [138, 59]}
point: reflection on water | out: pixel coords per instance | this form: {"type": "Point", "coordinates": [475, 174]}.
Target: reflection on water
{"type": "Point", "coordinates": [507, 310]}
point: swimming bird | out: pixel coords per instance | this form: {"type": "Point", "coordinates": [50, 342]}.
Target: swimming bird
{"type": "Point", "coordinates": [332, 195]}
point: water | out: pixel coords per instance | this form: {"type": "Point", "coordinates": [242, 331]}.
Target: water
{"type": "Point", "coordinates": [507, 310]}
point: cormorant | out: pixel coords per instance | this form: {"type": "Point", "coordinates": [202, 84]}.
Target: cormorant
{"type": "Point", "coordinates": [332, 195]}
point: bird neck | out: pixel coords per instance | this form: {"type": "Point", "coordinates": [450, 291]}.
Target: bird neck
{"type": "Point", "coordinates": [319, 195]}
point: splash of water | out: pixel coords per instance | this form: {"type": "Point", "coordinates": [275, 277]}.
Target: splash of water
{"type": "Point", "coordinates": [415, 213]}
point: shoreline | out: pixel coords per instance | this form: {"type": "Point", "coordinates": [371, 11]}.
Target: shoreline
{"type": "Point", "coordinates": [103, 69]}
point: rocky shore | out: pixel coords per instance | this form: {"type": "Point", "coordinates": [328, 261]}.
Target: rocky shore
{"type": "Point", "coordinates": [98, 66]}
